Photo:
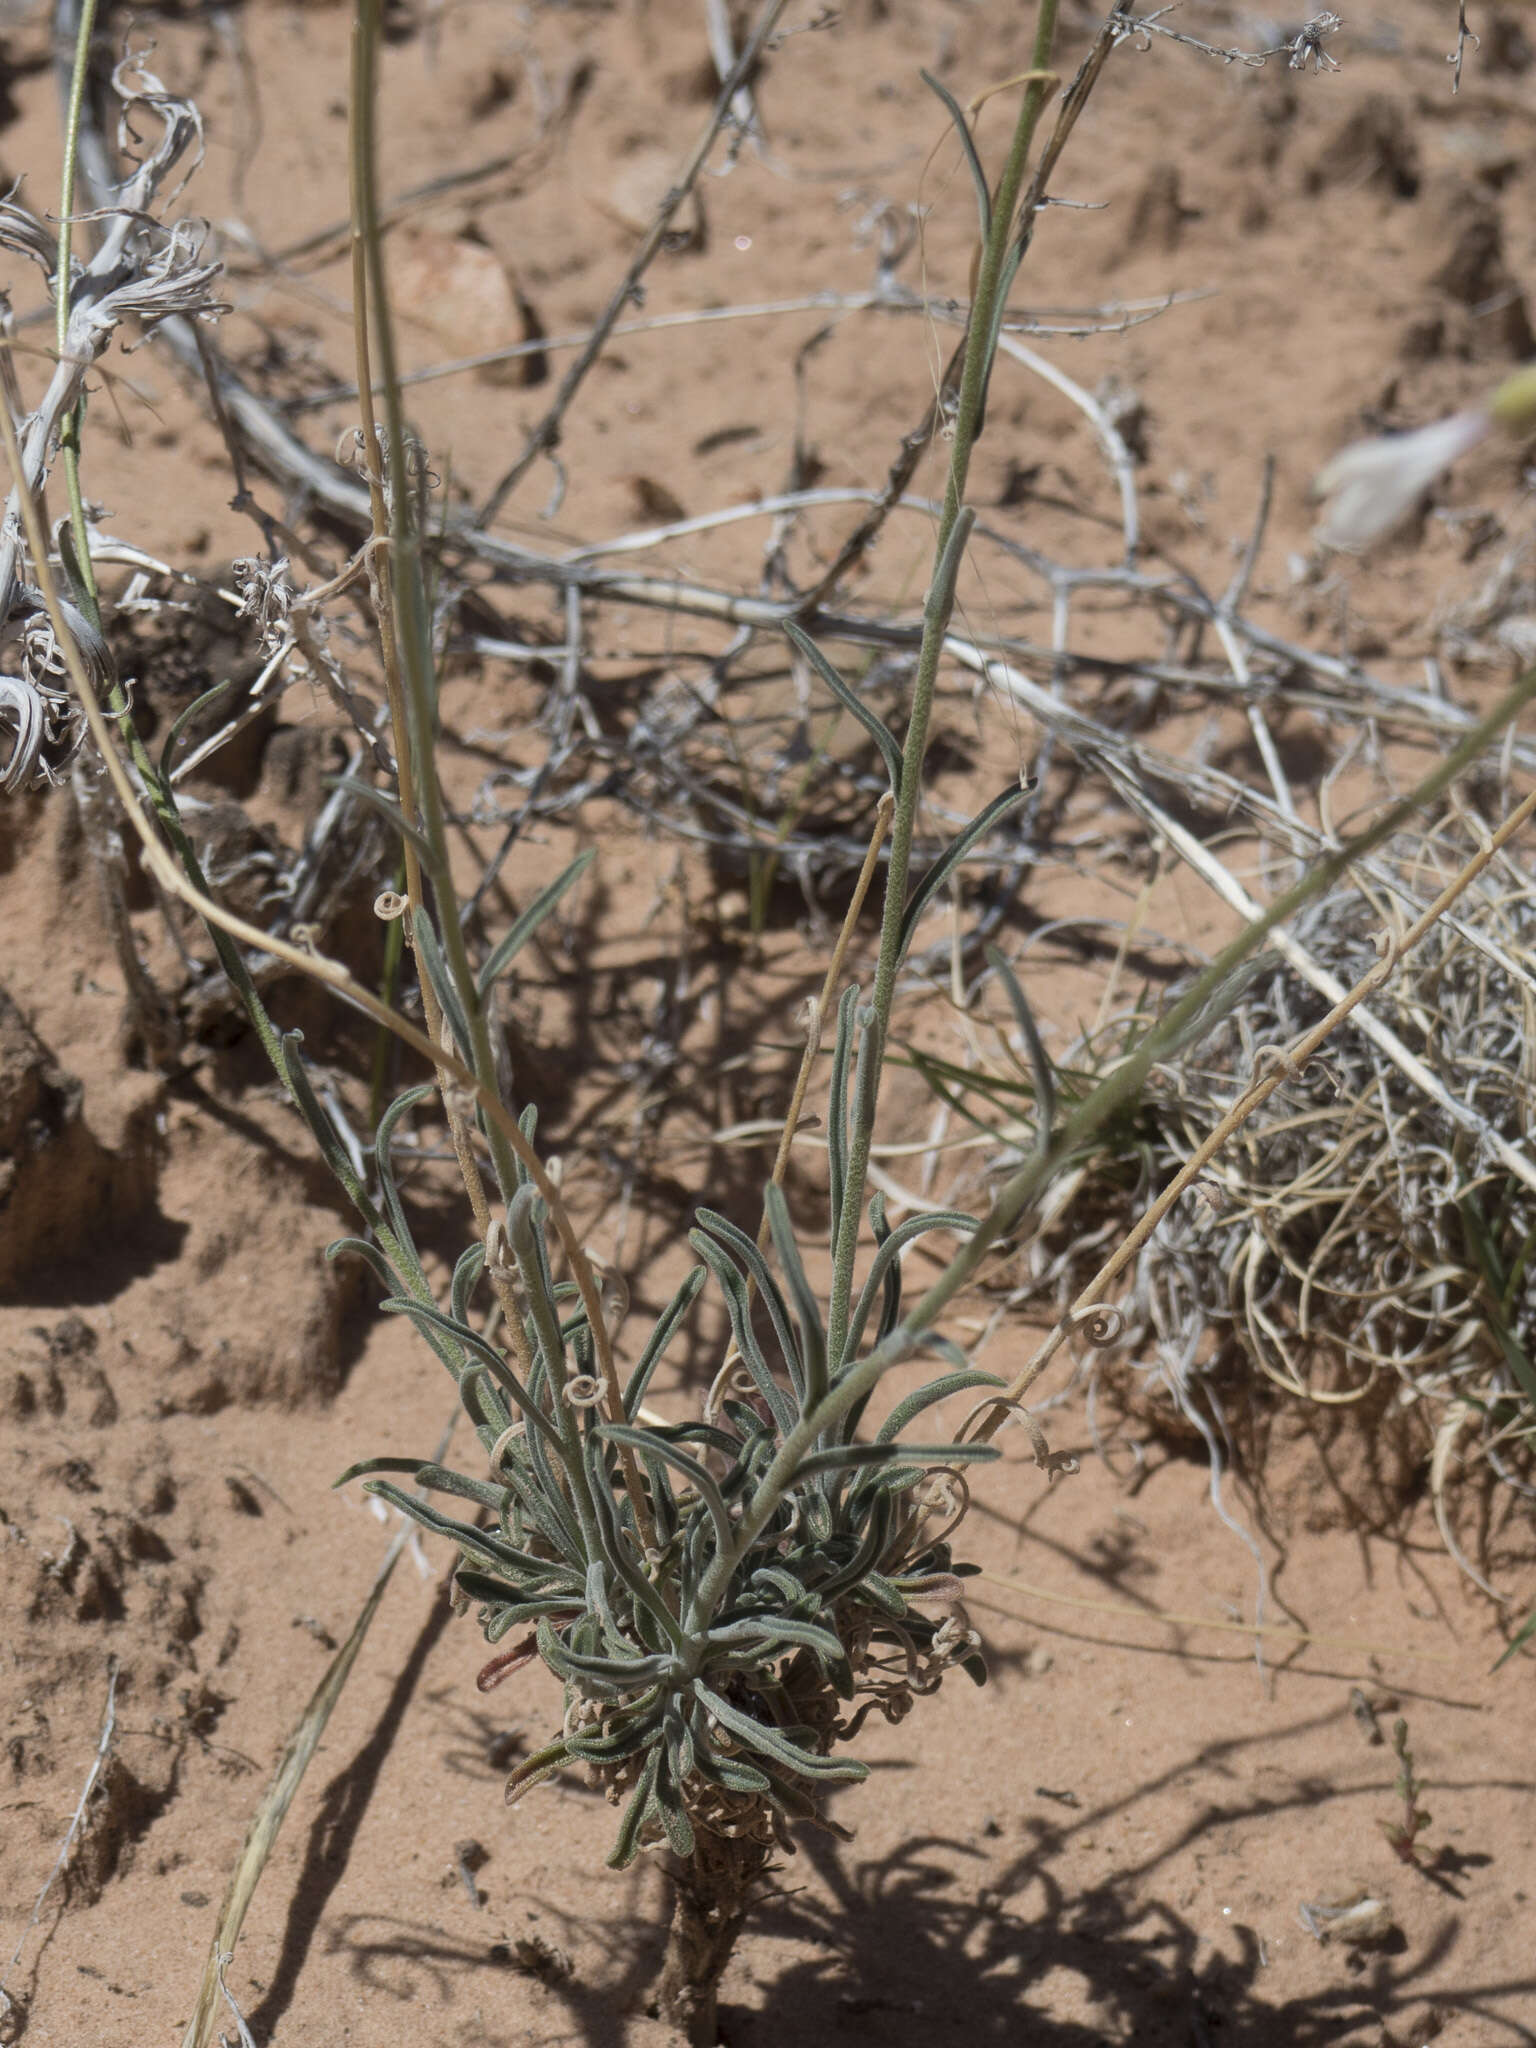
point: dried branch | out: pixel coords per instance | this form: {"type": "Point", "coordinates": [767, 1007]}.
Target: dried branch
{"type": "Point", "coordinates": [545, 437]}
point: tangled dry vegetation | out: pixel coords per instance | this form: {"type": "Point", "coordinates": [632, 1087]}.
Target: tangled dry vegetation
{"type": "Point", "coordinates": [1363, 1242]}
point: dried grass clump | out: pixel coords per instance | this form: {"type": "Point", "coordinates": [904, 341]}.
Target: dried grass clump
{"type": "Point", "coordinates": [1365, 1239]}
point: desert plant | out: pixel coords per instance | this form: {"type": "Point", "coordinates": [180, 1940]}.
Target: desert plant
{"type": "Point", "coordinates": [712, 1594]}
{"type": "Point", "coordinates": [1403, 1832]}
{"type": "Point", "coordinates": [725, 1599]}
{"type": "Point", "coordinates": [716, 1596]}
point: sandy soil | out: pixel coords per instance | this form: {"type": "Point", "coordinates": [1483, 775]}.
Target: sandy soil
{"type": "Point", "coordinates": [1112, 1842]}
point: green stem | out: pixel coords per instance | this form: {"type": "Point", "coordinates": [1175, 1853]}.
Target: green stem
{"type": "Point", "coordinates": [520, 1231]}
{"type": "Point", "coordinates": [979, 350]}
{"type": "Point", "coordinates": [69, 439]}
{"type": "Point", "coordinates": [389, 984]}
{"type": "Point", "coordinates": [410, 592]}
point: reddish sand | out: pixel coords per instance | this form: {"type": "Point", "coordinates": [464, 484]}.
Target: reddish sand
{"type": "Point", "coordinates": [1112, 1842]}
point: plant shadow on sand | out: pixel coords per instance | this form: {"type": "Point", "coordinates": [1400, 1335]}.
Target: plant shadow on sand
{"type": "Point", "coordinates": [919, 1942]}
{"type": "Point", "coordinates": [1000, 1937]}
{"type": "Point", "coordinates": [943, 1934]}
{"type": "Point", "coordinates": [933, 1939]}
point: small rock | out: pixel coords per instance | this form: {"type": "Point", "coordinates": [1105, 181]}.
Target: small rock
{"type": "Point", "coordinates": [1357, 1917]}
{"type": "Point", "coordinates": [463, 293]}
{"type": "Point", "coordinates": [634, 198]}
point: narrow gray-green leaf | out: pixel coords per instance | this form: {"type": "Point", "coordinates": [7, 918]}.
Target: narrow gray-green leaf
{"type": "Point", "coordinates": [698, 1477]}
{"type": "Point", "coordinates": [627, 1847]}
{"type": "Point", "coordinates": [429, 955]}
{"type": "Point", "coordinates": [661, 1336]}
{"type": "Point", "coordinates": [747, 1255]}
{"type": "Point", "coordinates": [525, 927]}
{"type": "Point", "coordinates": [962, 129]}
{"type": "Point", "coordinates": [837, 1115]}
{"type": "Point", "coordinates": [389, 810]}
{"type": "Point", "coordinates": [813, 1336]}
{"type": "Point", "coordinates": [845, 1457]}
{"type": "Point", "coordinates": [871, 721]}
{"type": "Point", "coordinates": [427, 1318]}
{"type": "Point", "coordinates": [1039, 1059]}
{"type": "Point", "coordinates": [887, 1259]}
{"type": "Point", "coordinates": [371, 1256]}
{"type": "Point", "coordinates": [770, 1743]}
{"type": "Point", "coordinates": [984, 822]}
{"type": "Point", "coordinates": [927, 1397]}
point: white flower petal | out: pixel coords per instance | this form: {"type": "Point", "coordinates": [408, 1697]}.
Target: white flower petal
{"type": "Point", "coordinates": [1373, 485]}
